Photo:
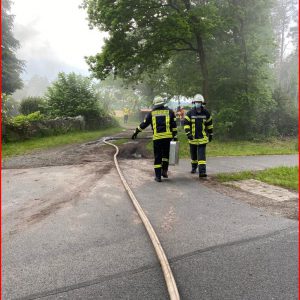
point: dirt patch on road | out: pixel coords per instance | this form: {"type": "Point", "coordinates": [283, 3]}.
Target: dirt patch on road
{"type": "Point", "coordinates": [62, 156]}
{"type": "Point", "coordinates": [90, 152]}
{"type": "Point", "coordinates": [134, 149]}
{"type": "Point", "coordinates": [37, 208]}
{"type": "Point", "coordinates": [287, 209]}
{"type": "Point", "coordinates": [95, 159]}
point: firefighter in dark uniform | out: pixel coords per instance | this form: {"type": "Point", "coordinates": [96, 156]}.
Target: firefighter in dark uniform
{"type": "Point", "coordinates": [199, 130]}
{"type": "Point", "coordinates": [163, 123]}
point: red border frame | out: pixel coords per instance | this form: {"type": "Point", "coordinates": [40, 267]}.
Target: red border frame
{"type": "Point", "coordinates": [298, 163]}
{"type": "Point", "coordinates": [1, 158]}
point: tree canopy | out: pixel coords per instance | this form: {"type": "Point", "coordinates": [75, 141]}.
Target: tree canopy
{"type": "Point", "coordinates": [228, 50]}
{"type": "Point", "coordinates": [144, 34]}
{"type": "Point", "coordinates": [12, 67]}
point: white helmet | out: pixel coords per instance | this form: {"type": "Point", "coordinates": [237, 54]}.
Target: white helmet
{"type": "Point", "coordinates": [198, 98]}
{"type": "Point", "coordinates": [158, 101]}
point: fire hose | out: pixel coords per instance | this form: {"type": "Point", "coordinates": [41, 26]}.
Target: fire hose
{"type": "Point", "coordinates": [168, 275]}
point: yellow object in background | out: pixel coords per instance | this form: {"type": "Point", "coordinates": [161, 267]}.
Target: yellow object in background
{"type": "Point", "coordinates": [126, 111]}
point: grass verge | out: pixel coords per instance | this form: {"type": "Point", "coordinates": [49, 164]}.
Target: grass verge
{"type": "Point", "coordinates": [238, 148]}
{"type": "Point", "coordinates": [286, 177]}
{"type": "Point", "coordinates": [19, 148]}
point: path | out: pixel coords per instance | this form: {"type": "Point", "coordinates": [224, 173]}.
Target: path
{"type": "Point", "coordinates": [70, 232]}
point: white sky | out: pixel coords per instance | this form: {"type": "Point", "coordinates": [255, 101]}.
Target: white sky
{"type": "Point", "coordinates": [54, 36]}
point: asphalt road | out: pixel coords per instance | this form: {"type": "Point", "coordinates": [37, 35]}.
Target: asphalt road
{"type": "Point", "coordinates": [70, 232]}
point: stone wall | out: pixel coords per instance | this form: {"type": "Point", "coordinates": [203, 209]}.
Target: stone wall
{"type": "Point", "coordinates": [11, 133]}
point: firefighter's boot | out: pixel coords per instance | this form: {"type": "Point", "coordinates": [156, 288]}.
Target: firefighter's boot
{"type": "Point", "coordinates": [165, 166]}
{"type": "Point", "coordinates": [157, 174]}
{"type": "Point", "coordinates": [194, 168]}
{"type": "Point", "coordinates": [202, 171]}
{"type": "Point", "coordinates": [164, 173]}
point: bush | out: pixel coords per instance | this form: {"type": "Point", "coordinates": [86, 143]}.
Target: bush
{"type": "Point", "coordinates": [285, 114]}
{"type": "Point", "coordinates": [18, 128]}
{"type": "Point", "coordinates": [32, 104]}
{"type": "Point", "coordinates": [224, 122]}
{"type": "Point", "coordinates": [72, 95]}
{"type": "Point", "coordinates": [23, 121]}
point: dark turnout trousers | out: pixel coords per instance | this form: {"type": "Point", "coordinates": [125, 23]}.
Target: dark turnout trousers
{"type": "Point", "coordinates": [161, 151]}
{"type": "Point", "coordinates": [198, 157]}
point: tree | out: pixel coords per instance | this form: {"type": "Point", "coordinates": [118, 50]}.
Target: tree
{"type": "Point", "coordinates": [223, 49]}
{"type": "Point", "coordinates": [10, 107]}
{"type": "Point", "coordinates": [179, 76]}
{"type": "Point", "coordinates": [12, 67]}
{"type": "Point", "coordinates": [288, 67]}
{"type": "Point", "coordinates": [285, 12]}
{"type": "Point", "coordinates": [32, 104]}
{"type": "Point", "coordinates": [285, 91]}
{"type": "Point", "coordinates": [144, 34]}
{"type": "Point", "coordinates": [72, 95]}
{"type": "Point", "coordinates": [285, 113]}
{"type": "Point", "coordinates": [239, 64]}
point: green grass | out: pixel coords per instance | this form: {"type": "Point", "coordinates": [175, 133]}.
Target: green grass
{"type": "Point", "coordinates": [19, 148]}
{"type": "Point", "coordinates": [236, 148]}
{"type": "Point", "coordinates": [286, 177]}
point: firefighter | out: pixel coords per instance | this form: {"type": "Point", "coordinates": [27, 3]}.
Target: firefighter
{"type": "Point", "coordinates": [163, 123]}
{"type": "Point", "coordinates": [199, 130]}
{"type": "Point", "coordinates": [180, 116]}
{"type": "Point", "coordinates": [126, 114]}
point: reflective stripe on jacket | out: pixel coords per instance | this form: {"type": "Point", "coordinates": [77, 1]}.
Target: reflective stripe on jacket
{"type": "Point", "coordinates": [199, 124]}
{"type": "Point", "coordinates": [162, 121]}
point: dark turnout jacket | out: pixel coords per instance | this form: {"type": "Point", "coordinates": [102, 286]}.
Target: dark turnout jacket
{"type": "Point", "coordinates": [199, 124]}
{"type": "Point", "coordinates": [163, 122]}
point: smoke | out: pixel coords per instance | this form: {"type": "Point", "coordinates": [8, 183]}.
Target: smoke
{"type": "Point", "coordinates": [39, 55]}
{"type": "Point", "coordinates": [54, 36]}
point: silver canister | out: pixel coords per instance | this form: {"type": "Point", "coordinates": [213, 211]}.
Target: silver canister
{"type": "Point", "coordinates": [174, 153]}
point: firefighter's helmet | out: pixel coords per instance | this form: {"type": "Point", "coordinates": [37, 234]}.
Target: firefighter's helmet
{"type": "Point", "coordinates": [198, 98]}
{"type": "Point", "coordinates": [158, 101]}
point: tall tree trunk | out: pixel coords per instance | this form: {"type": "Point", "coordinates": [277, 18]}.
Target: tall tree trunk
{"type": "Point", "coordinates": [200, 53]}
{"type": "Point", "coordinates": [203, 65]}
{"type": "Point", "coordinates": [245, 53]}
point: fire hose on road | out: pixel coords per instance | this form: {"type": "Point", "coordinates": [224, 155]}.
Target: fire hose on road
{"type": "Point", "coordinates": [169, 278]}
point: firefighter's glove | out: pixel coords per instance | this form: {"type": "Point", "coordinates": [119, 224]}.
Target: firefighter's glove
{"type": "Point", "coordinates": [190, 136]}
{"type": "Point", "coordinates": [210, 137]}
{"type": "Point", "coordinates": [134, 136]}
